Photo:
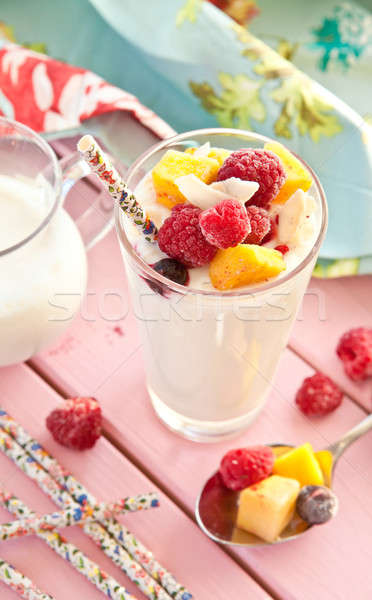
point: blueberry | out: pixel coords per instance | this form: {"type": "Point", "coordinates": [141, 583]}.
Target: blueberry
{"type": "Point", "coordinates": [316, 504]}
{"type": "Point", "coordinates": [172, 269]}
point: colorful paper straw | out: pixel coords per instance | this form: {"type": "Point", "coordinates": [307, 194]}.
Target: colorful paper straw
{"type": "Point", "coordinates": [101, 165]}
{"type": "Point", "coordinates": [20, 583]}
{"type": "Point", "coordinates": [91, 571]}
{"type": "Point", "coordinates": [81, 495]}
{"type": "Point", "coordinates": [62, 498]}
{"type": "Point", "coordinates": [75, 516]}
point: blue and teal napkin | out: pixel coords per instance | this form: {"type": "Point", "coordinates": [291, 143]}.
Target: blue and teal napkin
{"type": "Point", "coordinates": [196, 67]}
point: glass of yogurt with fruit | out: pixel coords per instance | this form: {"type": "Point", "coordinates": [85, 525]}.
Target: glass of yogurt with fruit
{"type": "Point", "coordinates": [240, 220]}
{"type": "Point", "coordinates": [42, 257]}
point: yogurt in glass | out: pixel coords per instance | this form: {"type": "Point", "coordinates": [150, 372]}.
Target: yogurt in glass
{"type": "Point", "coordinates": [211, 355]}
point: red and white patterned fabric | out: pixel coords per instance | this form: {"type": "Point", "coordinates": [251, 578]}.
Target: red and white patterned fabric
{"type": "Point", "coordinates": [48, 95]}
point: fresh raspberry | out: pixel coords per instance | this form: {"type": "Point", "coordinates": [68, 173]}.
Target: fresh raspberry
{"type": "Point", "coordinates": [245, 466]}
{"type": "Point", "coordinates": [283, 248]}
{"type": "Point", "coordinates": [355, 351]}
{"type": "Point", "coordinates": [76, 423]}
{"type": "Point", "coordinates": [272, 231]}
{"type": "Point", "coordinates": [318, 395]}
{"type": "Point", "coordinates": [258, 165]}
{"type": "Point", "coordinates": [180, 237]}
{"type": "Point", "coordinates": [226, 224]}
{"type": "Point", "coordinates": [260, 224]}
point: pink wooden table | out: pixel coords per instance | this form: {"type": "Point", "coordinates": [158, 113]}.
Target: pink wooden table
{"type": "Point", "coordinates": [101, 356]}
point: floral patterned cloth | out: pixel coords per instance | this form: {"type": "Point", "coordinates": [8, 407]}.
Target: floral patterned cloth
{"type": "Point", "coordinates": [198, 67]}
{"type": "Point", "coordinates": [48, 95]}
{"type": "Point", "coordinates": [239, 81]}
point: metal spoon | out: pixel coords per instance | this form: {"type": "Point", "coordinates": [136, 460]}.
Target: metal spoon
{"type": "Point", "coordinates": [216, 506]}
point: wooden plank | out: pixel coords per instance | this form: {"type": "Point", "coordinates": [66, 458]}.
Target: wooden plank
{"type": "Point", "coordinates": [94, 359]}
{"type": "Point", "coordinates": [323, 569]}
{"type": "Point", "coordinates": [173, 537]}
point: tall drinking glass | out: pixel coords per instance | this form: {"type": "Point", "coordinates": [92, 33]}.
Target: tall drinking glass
{"type": "Point", "coordinates": [210, 357]}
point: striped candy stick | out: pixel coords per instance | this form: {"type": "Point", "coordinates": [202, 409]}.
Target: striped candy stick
{"type": "Point", "coordinates": [76, 516]}
{"type": "Point", "coordinates": [101, 165]}
{"type": "Point", "coordinates": [20, 583]}
{"type": "Point", "coordinates": [89, 569]}
{"type": "Point", "coordinates": [80, 493]}
{"type": "Point", "coordinates": [62, 498]}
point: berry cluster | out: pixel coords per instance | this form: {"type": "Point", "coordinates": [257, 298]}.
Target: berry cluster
{"type": "Point", "coordinates": [192, 236]}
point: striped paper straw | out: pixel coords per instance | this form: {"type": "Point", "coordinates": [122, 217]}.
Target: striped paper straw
{"type": "Point", "coordinates": [91, 571]}
{"type": "Point", "coordinates": [101, 165]}
{"type": "Point", "coordinates": [74, 516]}
{"type": "Point", "coordinates": [20, 583]}
{"type": "Point", "coordinates": [62, 498]}
{"type": "Point", "coordinates": [81, 495]}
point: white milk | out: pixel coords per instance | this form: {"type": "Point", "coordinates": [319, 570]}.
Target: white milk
{"type": "Point", "coordinates": [209, 360]}
{"type": "Point", "coordinates": [42, 282]}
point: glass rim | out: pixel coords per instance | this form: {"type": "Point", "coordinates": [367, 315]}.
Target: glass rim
{"type": "Point", "coordinates": [47, 149]}
{"type": "Point", "coordinates": [185, 290]}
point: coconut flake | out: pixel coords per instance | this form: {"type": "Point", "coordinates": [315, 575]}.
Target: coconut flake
{"type": "Point", "coordinates": [205, 196]}
{"type": "Point", "coordinates": [237, 188]}
{"type": "Point", "coordinates": [199, 193]}
{"type": "Point", "coordinates": [202, 151]}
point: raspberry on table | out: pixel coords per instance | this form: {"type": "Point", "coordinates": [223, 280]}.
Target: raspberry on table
{"type": "Point", "coordinates": [181, 237]}
{"type": "Point", "coordinates": [260, 223]}
{"type": "Point", "coordinates": [318, 395]}
{"type": "Point", "coordinates": [245, 466]}
{"type": "Point", "coordinates": [255, 164]}
{"type": "Point", "coordinates": [226, 224]}
{"type": "Point", "coordinates": [76, 423]}
{"type": "Point", "coordinates": [355, 351]}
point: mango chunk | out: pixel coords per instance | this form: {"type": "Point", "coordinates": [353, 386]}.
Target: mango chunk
{"type": "Point", "coordinates": [175, 164]}
{"type": "Point", "coordinates": [325, 460]}
{"type": "Point", "coordinates": [267, 507]}
{"type": "Point", "coordinates": [300, 464]}
{"type": "Point", "coordinates": [297, 176]}
{"type": "Point", "coordinates": [243, 265]}
{"type": "Point", "coordinates": [220, 154]}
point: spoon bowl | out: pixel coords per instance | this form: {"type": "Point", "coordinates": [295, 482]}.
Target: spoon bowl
{"type": "Point", "coordinates": [216, 512]}
{"type": "Point", "coordinates": [217, 506]}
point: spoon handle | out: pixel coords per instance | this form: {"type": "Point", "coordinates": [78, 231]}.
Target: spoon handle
{"type": "Point", "coordinates": [339, 447]}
